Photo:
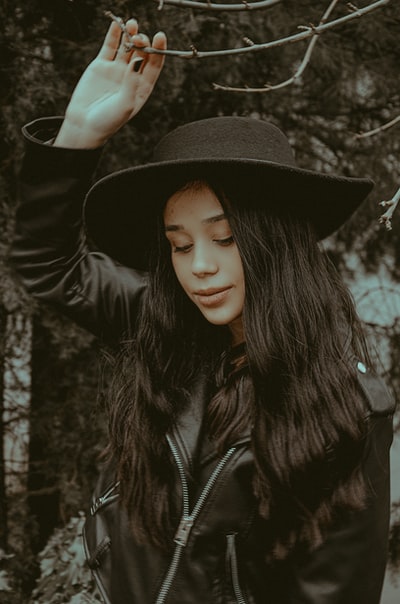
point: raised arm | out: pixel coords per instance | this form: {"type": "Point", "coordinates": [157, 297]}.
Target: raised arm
{"type": "Point", "coordinates": [50, 251]}
{"type": "Point", "coordinates": [113, 89]}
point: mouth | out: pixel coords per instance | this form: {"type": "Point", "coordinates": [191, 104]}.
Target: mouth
{"type": "Point", "coordinates": [212, 296]}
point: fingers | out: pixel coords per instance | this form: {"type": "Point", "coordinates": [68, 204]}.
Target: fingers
{"type": "Point", "coordinates": [132, 27]}
{"type": "Point", "coordinates": [114, 46]}
{"type": "Point", "coordinates": [111, 42]}
{"type": "Point", "coordinates": [137, 57]}
{"type": "Point", "coordinates": [160, 41]}
{"type": "Point", "coordinates": [116, 40]}
{"type": "Point", "coordinates": [131, 37]}
{"type": "Point", "coordinates": [141, 85]}
{"type": "Point", "coordinates": [151, 68]}
{"type": "Point", "coordinates": [149, 61]}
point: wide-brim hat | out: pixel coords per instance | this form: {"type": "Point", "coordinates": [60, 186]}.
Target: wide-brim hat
{"type": "Point", "coordinates": [244, 155]}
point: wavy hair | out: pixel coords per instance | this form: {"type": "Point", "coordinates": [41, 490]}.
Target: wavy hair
{"type": "Point", "coordinates": [293, 383]}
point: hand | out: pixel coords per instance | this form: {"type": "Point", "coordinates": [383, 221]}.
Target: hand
{"type": "Point", "coordinates": [113, 88]}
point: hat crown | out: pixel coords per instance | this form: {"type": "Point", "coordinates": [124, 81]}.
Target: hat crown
{"type": "Point", "coordinates": [226, 138]}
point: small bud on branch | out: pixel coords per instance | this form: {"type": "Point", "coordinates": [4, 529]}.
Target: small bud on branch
{"type": "Point", "coordinates": [357, 11]}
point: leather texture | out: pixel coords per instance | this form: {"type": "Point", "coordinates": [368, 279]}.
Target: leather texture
{"type": "Point", "coordinates": [222, 559]}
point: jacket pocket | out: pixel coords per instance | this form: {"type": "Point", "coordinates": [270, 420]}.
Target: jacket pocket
{"type": "Point", "coordinates": [233, 571]}
{"type": "Point", "coordinates": [97, 538]}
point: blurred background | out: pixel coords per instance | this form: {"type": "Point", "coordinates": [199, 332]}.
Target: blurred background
{"type": "Point", "coordinates": [52, 422]}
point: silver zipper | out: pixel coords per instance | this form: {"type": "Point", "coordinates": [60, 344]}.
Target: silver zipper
{"type": "Point", "coordinates": [234, 569]}
{"type": "Point", "coordinates": [110, 495]}
{"type": "Point", "coordinates": [187, 521]}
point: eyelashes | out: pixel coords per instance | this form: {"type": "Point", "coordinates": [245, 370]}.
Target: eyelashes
{"type": "Point", "coordinates": [181, 249]}
{"type": "Point", "coordinates": [184, 249]}
{"type": "Point", "coordinates": [225, 242]}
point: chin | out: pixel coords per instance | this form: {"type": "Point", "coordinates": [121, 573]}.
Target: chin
{"type": "Point", "coordinates": [220, 318]}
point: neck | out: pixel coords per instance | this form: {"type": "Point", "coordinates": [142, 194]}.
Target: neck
{"type": "Point", "coordinates": [237, 332]}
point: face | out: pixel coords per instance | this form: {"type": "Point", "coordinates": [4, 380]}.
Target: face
{"type": "Point", "coordinates": [205, 257]}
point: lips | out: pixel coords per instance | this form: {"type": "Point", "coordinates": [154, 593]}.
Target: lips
{"type": "Point", "coordinates": [212, 296]}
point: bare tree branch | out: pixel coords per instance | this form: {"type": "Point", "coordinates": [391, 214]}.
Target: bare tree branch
{"type": "Point", "coordinates": [379, 128]}
{"type": "Point", "coordinates": [299, 72]}
{"type": "Point", "coordinates": [391, 204]}
{"type": "Point", "coordinates": [308, 32]}
{"type": "Point", "coordinates": [244, 5]}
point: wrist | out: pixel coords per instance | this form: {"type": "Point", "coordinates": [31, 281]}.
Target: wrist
{"type": "Point", "coordinates": [77, 136]}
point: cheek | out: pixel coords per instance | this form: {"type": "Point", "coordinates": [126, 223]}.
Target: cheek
{"type": "Point", "coordinates": [236, 266]}
{"type": "Point", "coordinates": [240, 277]}
{"type": "Point", "coordinates": [179, 270]}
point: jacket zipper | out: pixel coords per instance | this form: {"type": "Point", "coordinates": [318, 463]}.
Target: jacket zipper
{"type": "Point", "coordinates": [108, 497]}
{"type": "Point", "coordinates": [188, 519]}
{"type": "Point", "coordinates": [233, 565]}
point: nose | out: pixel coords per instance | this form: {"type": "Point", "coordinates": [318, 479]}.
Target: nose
{"type": "Point", "coordinates": [204, 261]}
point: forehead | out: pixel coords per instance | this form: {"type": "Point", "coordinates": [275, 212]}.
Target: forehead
{"type": "Point", "coordinates": [192, 202]}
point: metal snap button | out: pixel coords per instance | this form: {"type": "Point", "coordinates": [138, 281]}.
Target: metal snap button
{"type": "Point", "coordinates": [361, 367]}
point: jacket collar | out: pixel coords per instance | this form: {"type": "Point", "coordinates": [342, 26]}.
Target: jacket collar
{"type": "Point", "coordinates": [189, 432]}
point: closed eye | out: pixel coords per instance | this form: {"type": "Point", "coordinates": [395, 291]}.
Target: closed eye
{"type": "Point", "coordinates": [182, 248]}
{"type": "Point", "coordinates": [225, 242]}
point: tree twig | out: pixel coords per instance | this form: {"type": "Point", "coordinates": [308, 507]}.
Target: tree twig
{"type": "Point", "coordinates": [378, 129]}
{"type": "Point", "coordinates": [299, 71]}
{"type": "Point", "coordinates": [309, 32]}
{"type": "Point", "coordinates": [242, 6]}
{"type": "Point", "coordinates": [391, 206]}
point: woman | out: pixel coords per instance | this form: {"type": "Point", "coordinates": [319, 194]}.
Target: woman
{"type": "Point", "coordinates": [248, 456]}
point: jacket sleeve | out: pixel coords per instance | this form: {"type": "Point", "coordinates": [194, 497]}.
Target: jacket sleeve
{"type": "Point", "coordinates": [50, 251]}
{"type": "Point", "coordinates": [350, 565]}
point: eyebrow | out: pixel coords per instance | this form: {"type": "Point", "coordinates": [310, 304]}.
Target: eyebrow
{"type": "Point", "coordinates": [210, 220]}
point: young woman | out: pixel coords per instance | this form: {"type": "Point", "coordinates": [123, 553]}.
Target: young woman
{"type": "Point", "coordinates": [248, 455]}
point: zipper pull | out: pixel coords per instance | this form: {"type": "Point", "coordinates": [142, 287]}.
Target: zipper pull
{"type": "Point", "coordinates": [107, 497]}
{"type": "Point", "coordinates": [183, 532]}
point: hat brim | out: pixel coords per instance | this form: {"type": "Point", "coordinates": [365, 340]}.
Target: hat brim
{"type": "Point", "coordinates": [120, 209]}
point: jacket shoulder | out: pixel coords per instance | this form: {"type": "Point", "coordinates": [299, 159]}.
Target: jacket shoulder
{"type": "Point", "coordinates": [379, 399]}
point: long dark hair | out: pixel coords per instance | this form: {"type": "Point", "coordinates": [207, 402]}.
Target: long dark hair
{"type": "Point", "coordinates": [294, 381]}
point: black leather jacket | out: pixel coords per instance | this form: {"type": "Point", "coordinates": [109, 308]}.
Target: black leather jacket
{"type": "Point", "coordinates": [217, 556]}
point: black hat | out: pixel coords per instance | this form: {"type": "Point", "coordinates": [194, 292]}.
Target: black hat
{"type": "Point", "coordinates": [247, 154]}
